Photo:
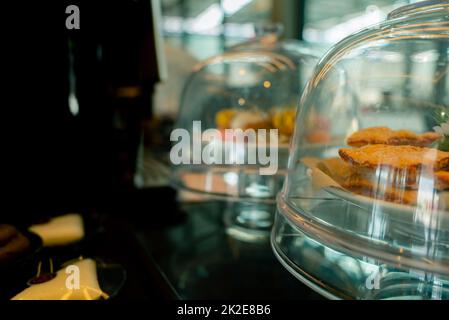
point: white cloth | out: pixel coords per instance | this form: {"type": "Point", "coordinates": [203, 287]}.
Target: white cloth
{"type": "Point", "coordinates": [77, 281]}
{"type": "Point", "coordinates": [60, 230]}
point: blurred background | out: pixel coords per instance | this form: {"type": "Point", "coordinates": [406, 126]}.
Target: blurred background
{"type": "Point", "coordinates": [195, 30]}
{"type": "Point", "coordinates": [205, 28]}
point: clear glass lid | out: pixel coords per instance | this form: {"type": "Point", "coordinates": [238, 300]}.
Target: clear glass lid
{"type": "Point", "coordinates": [368, 173]}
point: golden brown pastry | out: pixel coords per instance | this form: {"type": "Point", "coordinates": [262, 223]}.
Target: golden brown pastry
{"type": "Point", "coordinates": [394, 173]}
{"type": "Point", "coordinates": [388, 184]}
{"type": "Point", "coordinates": [384, 135]}
{"type": "Point", "coordinates": [349, 176]}
{"type": "Point", "coordinates": [408, 158]}
{"type": "Point", "coordinates": [337, 169]}
{"type": "Point", "coordinates": [398, 179]}
{"type": "Point", "coordinates": [389, 165]}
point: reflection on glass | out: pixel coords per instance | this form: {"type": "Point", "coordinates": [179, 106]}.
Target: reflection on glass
{"type": "Point", "coordinates": [374, 187]}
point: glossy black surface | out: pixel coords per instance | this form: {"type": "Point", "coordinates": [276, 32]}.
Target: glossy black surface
{"type": "Point", "coordinates": [13, 272]}
{"type": "Point", "coordinates": [200, 261]}
{"type": "Point", "coordinates": [171, 250]}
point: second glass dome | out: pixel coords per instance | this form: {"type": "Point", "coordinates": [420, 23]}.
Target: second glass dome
{"type": "Point", "coordinates": [252, 87]}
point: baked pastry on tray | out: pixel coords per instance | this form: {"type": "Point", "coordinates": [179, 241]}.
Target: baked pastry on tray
{"type": "Point", "coordinates": [349, 176]}
{"type": "Point", "coordinates": [409, 158]}
{"type": "Point", "coordinates": [374, 184]}
{"type": "Point", "coordinates": [388, 165]}
{"type": "Point", "coordinates": [384, 135]}
{"type": "Point", "coordinates": [403, 166]}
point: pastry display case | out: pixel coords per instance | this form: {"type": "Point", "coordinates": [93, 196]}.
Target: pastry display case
{"type": "Point", "coordinates": [252, 87]}
{"type": "Point", "coordinates": [364, 211]}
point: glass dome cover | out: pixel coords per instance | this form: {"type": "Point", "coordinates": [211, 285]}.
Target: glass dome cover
{"type": "Point", "coordinates": [364, 211]}
{"type": "Point", "coordinates": [253, 86]}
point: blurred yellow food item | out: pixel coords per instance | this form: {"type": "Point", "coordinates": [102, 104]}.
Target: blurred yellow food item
{"type": "Point", "coordinates": [224, 117]}
{"type": "Point", "coordinates": [251, 119]}
{"type": "Point", "coordinates": [284, 120]}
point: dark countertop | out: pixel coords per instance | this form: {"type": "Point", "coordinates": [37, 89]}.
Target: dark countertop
{"type": "Point", "coordinates": [173, 250]}
{"type": "Point", "coordinates": [198, 260]}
